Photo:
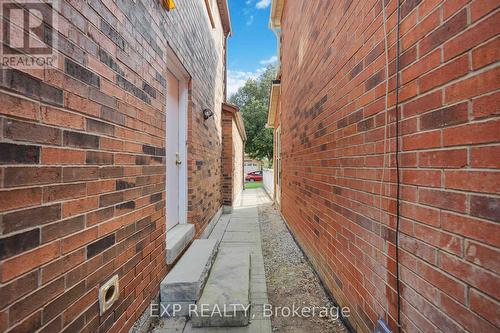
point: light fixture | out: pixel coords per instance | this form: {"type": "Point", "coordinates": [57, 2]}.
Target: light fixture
{"type": "Point", "coordinates": [207, 113]}
{"type": "Point", "coordinates": [168, 4]}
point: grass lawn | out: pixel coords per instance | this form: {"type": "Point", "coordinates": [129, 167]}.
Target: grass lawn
{"type": "Point", "coordinates": [253, 184]}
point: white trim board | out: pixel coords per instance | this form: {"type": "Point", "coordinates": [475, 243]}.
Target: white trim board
{"type": "Point", "coordinates": [175, 66]}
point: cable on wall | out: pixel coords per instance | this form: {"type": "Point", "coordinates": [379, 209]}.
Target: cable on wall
{"type": "Point", "coordinates": [386, 123]}
{"type": "Point", "coordinates": [398, 180]}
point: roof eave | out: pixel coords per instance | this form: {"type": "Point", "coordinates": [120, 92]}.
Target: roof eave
{"type": "Point", "coordinates": [235, 111]}
{"type": "Point", "coordinates": [276, 13]}
{"type": "Point", "coordinates": [274, 99]}
{"type": "Point", "coordinates": [225, 16]}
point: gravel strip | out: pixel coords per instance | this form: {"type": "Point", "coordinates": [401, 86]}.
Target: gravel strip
{"type": "Point", "coordinates": [291, 280]}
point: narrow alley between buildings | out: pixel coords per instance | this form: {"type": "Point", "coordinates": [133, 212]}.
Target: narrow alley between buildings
{"type": "Point", "coordinates": [250, 166]}
{"type": "Point", "coordinates": [284, 293]}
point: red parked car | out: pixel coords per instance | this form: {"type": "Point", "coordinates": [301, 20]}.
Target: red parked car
{"type": "Point", "coordinates": [255, 176]}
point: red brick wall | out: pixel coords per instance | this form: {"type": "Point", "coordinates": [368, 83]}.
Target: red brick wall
{"type": "Point", "coordinates": [227, 158]}
{"type": "Point", "coordinates": [238, 156]}
{"type": "Point", "coordinates": [232, 154]}
{"type": "Point", "coordinates": [82, 171]}
{"type": "Point", "coordinates": [338, 145]}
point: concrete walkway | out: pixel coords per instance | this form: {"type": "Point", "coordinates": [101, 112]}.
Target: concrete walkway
{"type": "Point", "coordinates": [252, 198]}
{"type": "Point", "coordinates": [242, 231]}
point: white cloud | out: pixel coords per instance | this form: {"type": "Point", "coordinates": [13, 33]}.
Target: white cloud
{"type": "Point", "coordinates": [248, 2]}
{"type": "Point", "coordinates": [250, 20]}
{"type": "Point", "coordinates": [263, 4]}
{"type": "Point", "coordinates": [271, 60]}
{"type": "Point", "coordinates": [237, 79]}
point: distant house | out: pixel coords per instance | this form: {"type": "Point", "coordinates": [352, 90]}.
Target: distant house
{"type": "Point", "coordinates": [252, 164]}
{"type": "Point", "coordinates": [415, 241]}
{"type": "Point", "coordinates": [105, 156]}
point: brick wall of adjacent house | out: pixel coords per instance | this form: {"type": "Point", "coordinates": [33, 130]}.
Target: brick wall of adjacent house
{"type": "Point", "coordinates": [338, 144]}
{"type": "Point", "coordinates": [232, 154]}
{"type": "Point", "coordinates": [82, 166]}
{"type": "Point", "coordinates": [227, 158]}
{"type": "Point", "coordinates": [238, 148]}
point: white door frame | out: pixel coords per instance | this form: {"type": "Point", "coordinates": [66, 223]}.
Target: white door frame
{"type": "Point", "coordinates": [176, 68]}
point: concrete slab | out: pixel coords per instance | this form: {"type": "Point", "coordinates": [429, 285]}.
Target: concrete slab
{"type": "Point", "coordinates": [251, 212]}
{"type": "Point", "coordinates": [186, 280]}
{"type": "Point", "coordinates": [242, 226]}
{"type": "Point", "coordinates": [255, 326]}
{"type": "Point", "coordinates": [240, 237]}
{"type": "Point", "coordinates": [177, 239]}
{"type": "Point", "coordinates": [220, 228]}
{"type": "Point", "coordinates": [211, 225]}
{"type": "Point", "coordinates": [225, 301]}
{"type": "Point", "coordinates": [171, 325]}
{"type": "Point", "coordinates": [244, 218]}
{"type": "Point", "coordinates": [176, 308]}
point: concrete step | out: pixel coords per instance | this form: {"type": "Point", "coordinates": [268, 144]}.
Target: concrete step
{"type": "Point", "coordinates": [177, 239]}
{"type": "Point", "coordinates": [220, 228]}
{"type": "Point", "coordinates": [225, 300]}
{"type": "Point", "coordinates": [184, 283]}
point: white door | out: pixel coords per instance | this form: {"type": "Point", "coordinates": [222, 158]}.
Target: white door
{"type": "Point", "coordinates": [173, 150]}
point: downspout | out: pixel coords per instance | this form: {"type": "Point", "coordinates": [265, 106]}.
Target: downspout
{"type": "Point", "coordinates": [225, 67]}
{"type": "Point", "coordinates": [276, 28]}
{"type": "Point", "coordinates": [277, 32]}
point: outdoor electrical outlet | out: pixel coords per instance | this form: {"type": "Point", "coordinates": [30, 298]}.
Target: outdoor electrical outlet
{"type": "Point", "coordinates": [108, 294]}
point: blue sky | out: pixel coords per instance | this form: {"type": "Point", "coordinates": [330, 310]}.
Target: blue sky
{"type": "Point", "coordinates": [252, 45]}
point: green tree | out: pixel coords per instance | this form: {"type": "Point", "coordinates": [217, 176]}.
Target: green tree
{"type": "Point", "coordinates": [253, 101]}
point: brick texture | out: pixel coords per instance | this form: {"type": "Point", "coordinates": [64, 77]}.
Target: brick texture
{"type": "Point", "coordinates": [82, 161]}
{"type": "Point", "coordinates": [233, 143]}
{"type": "Point", "coordinates": [238, 157]}
{"type": "Point", "coordinates": [338, 163]}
